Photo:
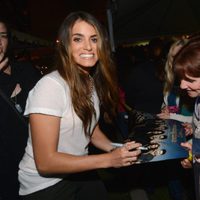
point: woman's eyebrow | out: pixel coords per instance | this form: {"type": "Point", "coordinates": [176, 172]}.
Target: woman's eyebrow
{"type": "Point", "coordinates": [95, 35]}
{"type": "Point", "coordinates": [188, 79]}
{"type": "Point", "coordinates": [81, 35]}
{"type": "Point", "coordinates": [77, 34]}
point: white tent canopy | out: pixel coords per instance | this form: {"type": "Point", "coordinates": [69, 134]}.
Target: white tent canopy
{"type": "Point", "coordinates": [24, 37]}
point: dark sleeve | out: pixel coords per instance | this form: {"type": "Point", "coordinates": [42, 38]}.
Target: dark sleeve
{"type": "Point", "coordinates": [27, 75]}
{"type": "Point", "coordinates": [13, 136]}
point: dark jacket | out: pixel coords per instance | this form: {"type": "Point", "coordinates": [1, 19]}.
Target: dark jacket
{"type": "Point", "coordinates": [13, 130]}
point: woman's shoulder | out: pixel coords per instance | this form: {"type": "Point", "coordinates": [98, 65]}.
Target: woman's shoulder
{"type": "Point", "coordinates": [53, 77]}
{"type": "Point", "coordinates": [50, 87]}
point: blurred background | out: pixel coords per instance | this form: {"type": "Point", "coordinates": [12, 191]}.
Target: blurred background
{"type": "Point", "coordinates": [129, 23]}
{"type": "Point", "coordinates": [35, 23]}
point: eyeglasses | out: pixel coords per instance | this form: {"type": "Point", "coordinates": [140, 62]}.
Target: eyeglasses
{"type": "Point", "coordinates": [3, 35]}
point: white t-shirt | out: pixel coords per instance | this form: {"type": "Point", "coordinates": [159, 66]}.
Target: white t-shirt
{"type": "Point", "coordinates": [51, 96]}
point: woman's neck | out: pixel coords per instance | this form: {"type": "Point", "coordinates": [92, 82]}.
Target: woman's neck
{"type": "Point", "coordinates": [85, 70]}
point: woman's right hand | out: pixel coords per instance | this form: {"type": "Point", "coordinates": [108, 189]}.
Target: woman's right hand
{"type": "Point", "coordinates": [126, 155]}
{"type": "Point", "coordinates": [3, 61]}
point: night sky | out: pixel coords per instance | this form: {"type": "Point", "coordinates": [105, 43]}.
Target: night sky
{"type": "Point", "coordinates": [46, 16]}
{"type": "Point", "coordinates": [42, 18]}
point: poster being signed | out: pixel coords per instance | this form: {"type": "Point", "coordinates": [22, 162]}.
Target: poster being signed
{"type": "Point", "coordinates": [161, 140]}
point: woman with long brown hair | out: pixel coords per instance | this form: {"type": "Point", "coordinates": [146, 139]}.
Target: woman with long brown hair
{"type": "Point", "coordinates": [64, 108]}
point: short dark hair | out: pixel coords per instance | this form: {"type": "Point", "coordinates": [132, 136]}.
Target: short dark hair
{"type": "Point", "coordinates": [9, 36]}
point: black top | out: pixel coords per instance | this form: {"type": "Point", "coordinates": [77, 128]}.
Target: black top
{"type": "Point", "coordinates": [13, 133]}
{"type": "Point", "coordinates": [23, 73]}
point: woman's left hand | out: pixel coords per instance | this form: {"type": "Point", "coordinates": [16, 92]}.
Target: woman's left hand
{"type": "Point", "coordinates": [126, 155]}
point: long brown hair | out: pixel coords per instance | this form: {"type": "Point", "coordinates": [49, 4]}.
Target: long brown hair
{"type": "Point", "coordinates": [104, 73]}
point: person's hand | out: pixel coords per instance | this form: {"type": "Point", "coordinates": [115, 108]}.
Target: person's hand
{"type": "Point", "coordinates": [163, 115]}
{"type": "Point", "coordinates": [165, 109]}
{"type": "Point", "coordinates": [126, 155]}
{"type": "Point", "coordinates": [188, 128]}
{"type": "Point", "coordinates": [3, 61]}
{"type": "Point", "coordinates": [187, 162]}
